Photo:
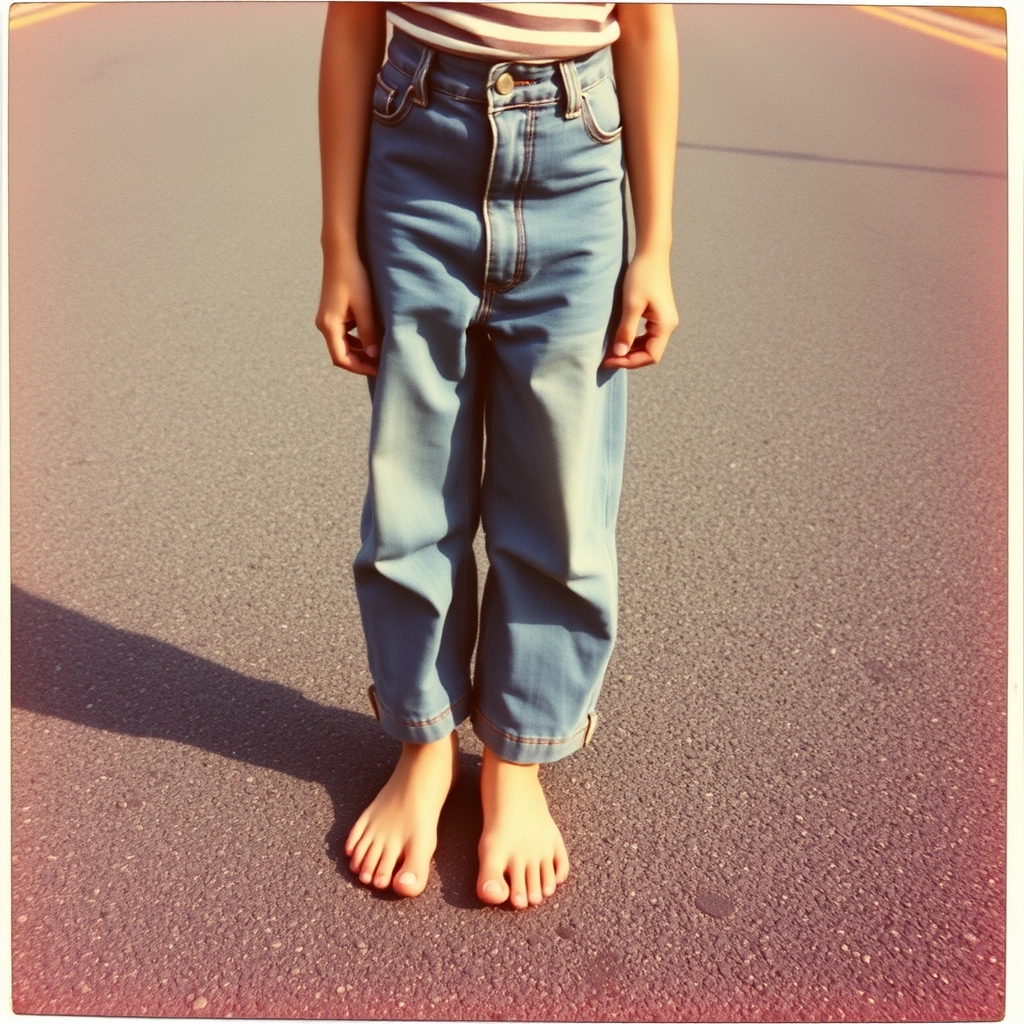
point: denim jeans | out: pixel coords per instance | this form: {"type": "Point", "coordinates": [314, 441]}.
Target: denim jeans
{"type": "Point", "coordinates": [494, 234]}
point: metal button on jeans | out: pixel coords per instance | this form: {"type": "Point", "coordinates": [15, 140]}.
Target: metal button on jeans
{"type": "Point", "coordinates": [505, 84]}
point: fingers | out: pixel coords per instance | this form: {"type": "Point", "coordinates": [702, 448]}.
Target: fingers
{"type": "Point", "coordinates": [345, 319]}
{"type": "Point", "coordinates": [367, 327]}
{"type": "Point", "coordinates": [626, 332]}
{"type": "Point", "coordinates": [633, 360]}
{"type": "Point", "coordinates": [646, 295]}
{"type": "Point", "coordinates": [357, 353]}
{"type": "Point", "coordinates": [630, 351]}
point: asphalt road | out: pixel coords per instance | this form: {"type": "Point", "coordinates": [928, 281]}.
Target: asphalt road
{"type": "Point", "coordinates": [794, 807]}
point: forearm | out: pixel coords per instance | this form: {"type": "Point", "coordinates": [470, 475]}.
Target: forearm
{"type": "Point", "coordinates": [647, 77]}
{"type": "Point", "coordinates": [353, 49]}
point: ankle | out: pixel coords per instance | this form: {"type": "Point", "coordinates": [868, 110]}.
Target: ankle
{"type": "Point", "coordinates": [438, 752]}
{"type": "Point", "coordinates": [497, 771]}
{"type": "Point", "coordinates": [425, 748]}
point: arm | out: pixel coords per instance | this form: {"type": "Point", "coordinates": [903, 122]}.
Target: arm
{"type": "Point", "coordinates": [353, 49]}
{"type": "Point", "coordinates": [647, 76]}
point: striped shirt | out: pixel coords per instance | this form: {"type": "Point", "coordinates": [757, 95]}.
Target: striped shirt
{"type": "Point", "coordinates": [527, 32]}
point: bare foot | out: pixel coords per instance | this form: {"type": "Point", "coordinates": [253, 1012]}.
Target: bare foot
{"type": "Point", "coordinates": [395, 837]}
{"type": "Point", "coordinates": [522, 856]}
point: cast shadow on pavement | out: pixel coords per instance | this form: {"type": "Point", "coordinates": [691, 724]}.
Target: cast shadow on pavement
{"type": "Point", "coordinates": [69, 666]}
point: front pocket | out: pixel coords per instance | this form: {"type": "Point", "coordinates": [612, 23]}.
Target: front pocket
{"type": "Point", "coordinates": [600, 110]}
{"type": "Point", "coordinates": [388, 109]}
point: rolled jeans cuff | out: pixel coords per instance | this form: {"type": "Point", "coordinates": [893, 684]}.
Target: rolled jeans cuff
{"type": "Point", "coordinates": [531, 749]}
{"type": "Point", "coordinates": [420, 732]}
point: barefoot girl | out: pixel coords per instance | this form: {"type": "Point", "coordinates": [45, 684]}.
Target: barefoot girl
{"type": "Point", "coordinates": [473, 236]}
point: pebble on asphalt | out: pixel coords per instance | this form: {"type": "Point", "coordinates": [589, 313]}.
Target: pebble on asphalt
{"type": "Point", "coordinates": [714, 905]}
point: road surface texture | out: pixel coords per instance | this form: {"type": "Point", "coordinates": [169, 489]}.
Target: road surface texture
{"type": "Point", "coordinates": [793, 808]}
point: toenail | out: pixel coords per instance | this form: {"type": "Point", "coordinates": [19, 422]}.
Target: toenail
{"type": "Point", "coordinates": [407, 878]}
{"type": "Point", "coordinates": [491, 886]}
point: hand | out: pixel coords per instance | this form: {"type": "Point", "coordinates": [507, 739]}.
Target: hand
{"type": "Point", "coordinates": [346, 303]}
{"type": "Point", "coordinates": [646, 294]}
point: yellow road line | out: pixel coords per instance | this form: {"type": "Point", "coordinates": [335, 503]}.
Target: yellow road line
{"type": "Point", "coordinates": [932, 30]}
{"type": "Point", "coordinates": [41, 13]}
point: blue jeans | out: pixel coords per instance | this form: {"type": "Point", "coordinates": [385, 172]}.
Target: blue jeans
{"type": "Point", "coordinates": [494, 235]}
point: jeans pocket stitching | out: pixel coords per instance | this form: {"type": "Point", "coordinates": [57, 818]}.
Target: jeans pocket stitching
{"type": "Point", "coordinates": [594, 130]}
{"type": "Point", "coordinates": [388, 116]}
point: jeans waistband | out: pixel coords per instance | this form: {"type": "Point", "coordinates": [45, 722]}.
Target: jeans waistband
{"type": "Point", "coordinates": [474, 80]}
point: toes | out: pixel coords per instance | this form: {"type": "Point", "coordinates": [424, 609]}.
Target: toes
{"type": "Point", "coordinates": [410, 882]}
{"type": "Point", "coordinates": [385, 868]}
{"type": "Point", "coordinates": [493, 891]}
{"type": "Point", "coordinates": [517, 885]}
{"type": "Point", "coordinates": [548, 881]}
{"type": "Point", "coordinates": [412, 875]}
{"type": "Point", "coordinates": [356, 862]}
{"type": "Point", "coordinates": [561, 862]}
{"type": "Point", "coordinates": [370, 861]}
{"type": "Point", "coordinates": [359, 850]}
{"type": "Point", "coordinates": [356, 833]}
{"type": "Point", "coordinates": [490, 884]}
{"type": "Point", "coordinates": [533, 889]}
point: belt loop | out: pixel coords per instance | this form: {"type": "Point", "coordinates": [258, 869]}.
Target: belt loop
{"type": "Point", "coordinates": [571, 81]}
{"type": "Point", "coordinates": [419, 78]}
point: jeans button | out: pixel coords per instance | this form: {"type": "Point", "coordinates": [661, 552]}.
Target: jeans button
{"type": "Point", "coordinates": [505, 84]}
